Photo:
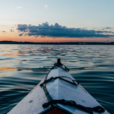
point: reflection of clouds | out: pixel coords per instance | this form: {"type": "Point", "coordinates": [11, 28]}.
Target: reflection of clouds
{"type": "Point", "coordinates": [27, 57]}
{"type": "Point", "coordinates": [41, 51]}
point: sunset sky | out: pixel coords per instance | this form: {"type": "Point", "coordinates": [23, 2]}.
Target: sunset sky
{"type": "Point", "coordinates": [55, 21]}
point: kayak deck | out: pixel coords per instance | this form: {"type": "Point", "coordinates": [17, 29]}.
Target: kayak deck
{"type": "Point", "coordinates": [58, 89]}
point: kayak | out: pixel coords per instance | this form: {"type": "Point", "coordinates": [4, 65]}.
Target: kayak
{"type": "Point", "coordinates": [58, 93]}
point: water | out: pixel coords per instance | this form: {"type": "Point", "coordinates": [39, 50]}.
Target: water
{"type": "Point", "coordinates": [22, 67]}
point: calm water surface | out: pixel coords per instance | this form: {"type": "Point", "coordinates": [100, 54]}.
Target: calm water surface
{"type": "Point", "coordinates": [24, 66]}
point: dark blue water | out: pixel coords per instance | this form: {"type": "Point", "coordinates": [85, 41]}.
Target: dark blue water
{"type": "Point", "coordinates": [22, 67]}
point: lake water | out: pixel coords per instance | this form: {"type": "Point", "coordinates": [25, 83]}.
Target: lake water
{"type": "Point", "coordinates": [22, 67]}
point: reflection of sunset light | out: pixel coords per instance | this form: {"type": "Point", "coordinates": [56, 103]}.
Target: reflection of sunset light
{"type": "Point", "coordinates": [15, 54]}
{"type": "Point", "coordinates": [3, 74]}
{"type": "Point", "coordinates": [8, 69]}
{"type": "Point", "coordinates": [19, 69]}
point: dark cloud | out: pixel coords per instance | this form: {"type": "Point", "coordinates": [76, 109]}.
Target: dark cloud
{"type": "Point", "coordinates": [22, 28]}
{"type": "Point", "coordinates": [20, 34]}
{"type": "Point", "coordinates": [3, 31]}
{"type": "Point", "coordinates": [59, 31]}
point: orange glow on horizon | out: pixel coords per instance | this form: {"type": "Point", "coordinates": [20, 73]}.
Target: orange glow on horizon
{"type": "Point", "coordinates": [11, 37]}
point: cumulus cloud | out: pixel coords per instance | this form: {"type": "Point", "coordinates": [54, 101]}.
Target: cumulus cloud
{"type": "Point", "coordinates": [19, 7]}
{"type": "Point", "coordinates": [46, 6]}
{"type": "Point", "coordinates": [57, 30]}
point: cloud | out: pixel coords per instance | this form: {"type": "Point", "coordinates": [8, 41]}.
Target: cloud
{"type": "Point", "coordinates": [57, 30]}
{"type": "Point", "coordinates": [46, 6]}
{"type": "Point", "coordinates": [19, 7]}
{"type": "Point", "coordinates": [3, 31]}
{"type": "Point", "coordinates": [21, 34]}
{"type": "Point", "coordinates": [11, 30]}
{"type": "Point", "coordinates": [107, 28]}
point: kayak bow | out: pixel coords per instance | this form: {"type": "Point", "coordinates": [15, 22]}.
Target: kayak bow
{"type": "Point", "coordinates": [58, 93]}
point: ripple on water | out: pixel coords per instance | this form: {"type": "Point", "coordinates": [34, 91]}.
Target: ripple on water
{"type": "Point", "coordinates": [24, 66]}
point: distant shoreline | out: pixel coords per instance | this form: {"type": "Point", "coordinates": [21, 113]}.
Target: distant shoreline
{"type": "Point", "coordinates": [58, 43]}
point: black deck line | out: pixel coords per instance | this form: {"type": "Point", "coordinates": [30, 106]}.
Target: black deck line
{"type": "Point", "coordinates": [50, 98]}
{"type": "Point", "coordinates": [60, 77]}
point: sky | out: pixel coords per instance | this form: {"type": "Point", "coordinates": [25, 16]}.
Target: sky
{"type": "Point", "coordinates": [56, 20]}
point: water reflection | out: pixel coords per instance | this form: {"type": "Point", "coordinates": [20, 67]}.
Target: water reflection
{"type": "Point", "coordinates": [23, 66]}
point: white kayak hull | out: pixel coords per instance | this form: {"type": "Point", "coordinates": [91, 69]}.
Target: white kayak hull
{"type": "Point", "coordinates": [58, 89]}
